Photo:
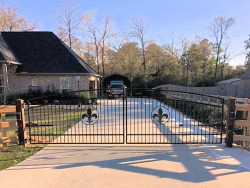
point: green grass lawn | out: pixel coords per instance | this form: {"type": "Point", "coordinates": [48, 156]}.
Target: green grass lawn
{"type": "Point", "coordinates": [9, 131]}
{"type": "Point", "coordinates": [62, 119]}
{"type": "Point", "coordinates": [13, 154]}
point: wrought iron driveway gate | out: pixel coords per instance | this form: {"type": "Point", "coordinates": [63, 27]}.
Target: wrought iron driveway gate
{"type": "Point", "coordinates": [136, 117]}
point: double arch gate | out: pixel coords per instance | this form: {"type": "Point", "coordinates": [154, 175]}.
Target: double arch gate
{"type": "Point", "coordinates": [137, 117]}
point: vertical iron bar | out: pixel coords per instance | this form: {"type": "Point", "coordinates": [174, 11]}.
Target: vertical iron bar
{"type": "Point", "coordinates": [35, 117]}
{"type": "Point", "coordinates": [183, 115]}
{"type": "Point", "coordinates": [203, 120]}
{"type": "Point", "coordinates": [141, 121]}
{"type": "Point", "coordinates": [29, 120]}
{"type": "Point", "coordinates": [138, 119]}
{"type": "Point", "coordinates": [126, 115]}
{"type": "Point", "coordinates": [60, 124]}
{"type": "Point", "coordinates": [206, 122]}
{"type": "Point", "coordinates": [145, 128]}
{"type": "Point", "coordinates": [100, 116]}
{"type": "Point", "coordinates": [171, 124]}
{"type": "Point", "coordinates": [56, 122]}
{"type": "Point", "coordinates": [41, 134]}
{"type": "Point", "coordinates": [52, 123]}
{"type": "Point", "coordinates": [160, 123]}
{"type": "Point", "coordinates": [148, 124]}
{"type": "Point", "coordinates": [75, 108]}
{"type": "Point", "coordinates": [108, 106]}
{"type": "Point", "coordinates": [134, 119]}
{"type": "Point", "coordinates": [222, 120]}
{"type": "Point", "coordinates": [48, 109]}
{"type": "Point", "coordinates": [123, 120]}
{"type": "Point", "coordinates": [104, 119]}
{"type": "Point", "coordinates": [195, 119]}
{"type": "Point", "coordinates": [115, 123]}
{"type": "Point", "coordinates": [188, 118]}
{"type": "Point", "coordinates": [190, 122]}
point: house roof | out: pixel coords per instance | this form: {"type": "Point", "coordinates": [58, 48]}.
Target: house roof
{"type": "Point", "coordinates": [229, 81]}
{"type": "Point", "coordinates": [6, 54]}
{"type": "Point", "coordinates": [44, 52]}
{"type": "Point", "coordinates": [246, 75]}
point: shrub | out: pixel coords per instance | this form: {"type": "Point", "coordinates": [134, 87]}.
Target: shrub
{"type": "Point", "coordinates": [51, 90]}
{"type": "Point", "coordinates": [83, 95]}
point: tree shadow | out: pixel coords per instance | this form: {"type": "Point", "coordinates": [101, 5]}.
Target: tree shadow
{"type": "Point", "coordinates": [193, 163]}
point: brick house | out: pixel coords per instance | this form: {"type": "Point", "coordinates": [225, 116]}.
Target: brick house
{"type": "Point", "coordinates": [41, 59]}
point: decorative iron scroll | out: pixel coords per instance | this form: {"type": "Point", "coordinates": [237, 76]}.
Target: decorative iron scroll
{"type": "Point", "coordinates": [160, 115]}
{"type": "Point", "coordinates": [91, 117]}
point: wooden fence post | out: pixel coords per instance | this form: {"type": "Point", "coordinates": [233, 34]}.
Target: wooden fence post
{"type": "Point", "coordinates": [22, 135]}
{"type": "Point", "coordinates": [230, 122]}
{"type": "Point", "coordinates": [4, 132]}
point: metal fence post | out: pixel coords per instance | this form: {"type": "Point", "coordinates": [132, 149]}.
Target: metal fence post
{"type": "Point", "coordinates": [22, 136]}
{"type": "Point", "coordinates": [230, 122]}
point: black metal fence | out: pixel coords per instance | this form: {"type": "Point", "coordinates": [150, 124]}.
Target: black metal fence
{"type": "Point", "coordinates": [140, 117]}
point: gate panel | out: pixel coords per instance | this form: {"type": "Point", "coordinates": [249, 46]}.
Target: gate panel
{"type": "Point", "coordinates": [156, 118]}
{"type": "Point", "coordinates": [61, 119]}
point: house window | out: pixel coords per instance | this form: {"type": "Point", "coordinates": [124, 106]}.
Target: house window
{"type": "Point", "coordinates": [64, 81]}
{"type": "Point", "coordinates": [91, 88]}
{"type": "Point", "coordinates": [34, 82]}
{"type": "Point", "coordinates": [91, 85]}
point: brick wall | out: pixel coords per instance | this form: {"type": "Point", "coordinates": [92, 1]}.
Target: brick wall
{"type": "Point", "coordinates": [21, 83]}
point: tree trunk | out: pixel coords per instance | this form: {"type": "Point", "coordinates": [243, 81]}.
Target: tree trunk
{"type": "Point", "coordinates": [144, 64]}
{"type": "Point", "coordinates": [103, 49]}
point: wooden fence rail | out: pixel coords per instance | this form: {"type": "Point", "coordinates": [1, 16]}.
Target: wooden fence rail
{"type": "Point", "coordinates": [243, 121]}
{"type": "Point", "coordinates": [5, 140]}
{"type": "Point", "coordinates": [18, 123]}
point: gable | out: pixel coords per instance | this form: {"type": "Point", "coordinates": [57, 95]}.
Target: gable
{"type": "Point", "coordinates": [6, 54]}
{"type": "Point", "coordinates": [44, 52]}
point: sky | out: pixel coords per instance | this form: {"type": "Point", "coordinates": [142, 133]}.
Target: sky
{"type": "Point", "coordinates": [184, 18]}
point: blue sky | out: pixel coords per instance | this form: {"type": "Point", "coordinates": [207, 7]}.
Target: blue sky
{"type": "Point", "coordinates": [186, 18]}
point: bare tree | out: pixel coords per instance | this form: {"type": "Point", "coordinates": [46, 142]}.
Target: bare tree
{"type": "Point", "coordinates": [138, 31]}
{"type": "Point", "coordinates": [183, 57]}
{"type": "Point", "coordinates": [106, 33]}
{"type": "Point", "coordinates": [224, 59]}
{"type": "Point", "coordinates": [119, 40]}
{"type": "Point", "coordinates": [91, 31]}
{"type": "Point", "coordinates": [247, 48]}
{"type": "Point", "coordinates": [99, 36]}
{"type": "Point", "coordinates": [11, 21]}
{"type": "Point", "coordinates": [219, 27]}
{"type": "Point", "coordinates": [68, 21]}
{"type": "Point", "coordinates": [172, 37]}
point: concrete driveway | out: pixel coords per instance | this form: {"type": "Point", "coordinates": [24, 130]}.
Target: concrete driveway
{"type": "Point", "coordinates": [177, 165]}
